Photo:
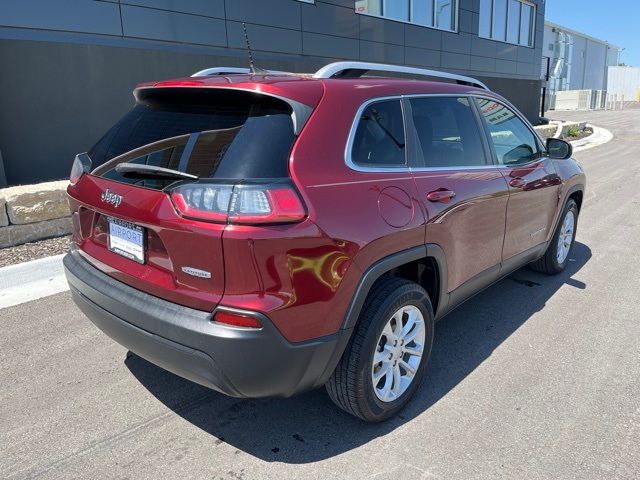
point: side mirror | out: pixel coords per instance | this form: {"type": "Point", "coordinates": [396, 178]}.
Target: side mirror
{"type": "Point", "coordinates": [559, 149]}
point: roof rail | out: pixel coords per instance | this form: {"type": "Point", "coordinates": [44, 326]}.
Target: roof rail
{"type": "Point", "coordinates": [227, 71]}
{"type": "Point", "coordinates": [357, 69]}
{"type": "Point", "coordinates": [220, 71]}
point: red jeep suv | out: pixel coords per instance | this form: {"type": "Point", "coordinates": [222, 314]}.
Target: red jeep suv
{"type": "Point", "coordinates": [264, 234]}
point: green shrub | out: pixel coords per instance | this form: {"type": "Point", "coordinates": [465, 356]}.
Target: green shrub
{"type": "Point", "coordinates": [573, 132]}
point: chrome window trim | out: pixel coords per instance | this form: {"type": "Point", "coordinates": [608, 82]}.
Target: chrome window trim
{"type": "Point", "coordinates": [488, 166]}
{"type": "Point", "coordinates": [407, 169]}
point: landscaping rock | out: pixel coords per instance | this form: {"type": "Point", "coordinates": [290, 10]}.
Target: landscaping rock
{"type": "Point", "coordinates": [4, 220]}
{"type": "Point", "coordinates": [19, 234]}
{"type": "Point", "coordinates": [36, 203]}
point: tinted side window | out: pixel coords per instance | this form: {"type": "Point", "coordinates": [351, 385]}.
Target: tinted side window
{"type": "Point", "coordinates": [379, 138]}
{"type": "Point", "coordinates": [447, 133]}
{"type": "Point", "coordinates": [512, 140]}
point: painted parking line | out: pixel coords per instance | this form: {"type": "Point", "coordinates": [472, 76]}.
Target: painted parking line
{"type": "Point", "coordinates": [31, 280]}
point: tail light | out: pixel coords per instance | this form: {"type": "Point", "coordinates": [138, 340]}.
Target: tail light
{"type": "Point", "coordinates": [240, 203]}
{"type": "Point", "coordinates": [81, 165]}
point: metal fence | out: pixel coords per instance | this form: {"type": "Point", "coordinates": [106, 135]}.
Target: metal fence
{"type": "Point", "coordinates": [585, 100]}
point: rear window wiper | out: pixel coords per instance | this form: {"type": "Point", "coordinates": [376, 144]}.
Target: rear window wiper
{"type": "Point", "coordinates": [376, 118]}
{"type": "Point", "coordinates": [152, 171]}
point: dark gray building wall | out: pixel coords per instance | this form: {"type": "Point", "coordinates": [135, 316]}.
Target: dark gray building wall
{"type": "Point", "coordinates": [69, 66]}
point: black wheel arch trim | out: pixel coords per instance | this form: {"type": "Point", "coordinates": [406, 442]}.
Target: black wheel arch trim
{"type": "Point", "coordinates": [382, 266]}
{"type": "Point", "coordinates": [567, 194]}
{"type": "Point", "coordinates": [571, 191]}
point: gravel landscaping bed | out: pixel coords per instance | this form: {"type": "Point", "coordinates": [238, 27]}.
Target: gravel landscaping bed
{"type": "Point", "coordinates": [33, 251]}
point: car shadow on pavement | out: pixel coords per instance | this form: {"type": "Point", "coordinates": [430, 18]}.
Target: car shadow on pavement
{"type": "Point", "coordinates": [308, 428]}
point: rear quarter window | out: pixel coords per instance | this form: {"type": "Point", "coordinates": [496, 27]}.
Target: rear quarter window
{"type": "Point", "coordinates": [379, 139]}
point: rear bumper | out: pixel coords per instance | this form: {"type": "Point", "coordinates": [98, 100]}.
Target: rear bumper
{"type": "Point", "coordinates": [235, 361]}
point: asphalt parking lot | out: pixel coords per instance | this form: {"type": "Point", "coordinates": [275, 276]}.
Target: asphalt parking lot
{"type": "Point", "coordinates": [537, 377]}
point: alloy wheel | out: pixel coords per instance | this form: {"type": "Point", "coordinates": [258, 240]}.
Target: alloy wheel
{"type": "Point", "coordinates": [398, 353]}
{"type": "Point", "coordinates": [566, 237]}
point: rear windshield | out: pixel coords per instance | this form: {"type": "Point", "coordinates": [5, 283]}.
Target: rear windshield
{"type": "Point", "coordinates": [204, 132]}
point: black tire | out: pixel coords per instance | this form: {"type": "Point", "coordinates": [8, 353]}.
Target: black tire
{"type": "Point", "coordinates": [548, 263]}
{"type": "Point", "coordinates": [350, 387]}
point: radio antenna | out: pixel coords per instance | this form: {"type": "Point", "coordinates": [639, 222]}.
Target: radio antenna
{"type": "Point", "coordinates": [252, 68]}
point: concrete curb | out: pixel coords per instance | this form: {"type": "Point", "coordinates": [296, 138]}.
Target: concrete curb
{"type": "Point", "coordinates": [600, 136]}
{"type": "Point", "coordinates": [31, 280]}
{"type": "Point", "coordinates": [558, 129]}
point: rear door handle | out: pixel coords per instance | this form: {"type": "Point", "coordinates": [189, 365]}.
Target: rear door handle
{"type": "Point", "coordinates": [441, 195]}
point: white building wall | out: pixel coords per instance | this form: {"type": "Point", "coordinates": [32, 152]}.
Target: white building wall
{"type": "Point", "coordinates": [579, 65]}
{"type": "Point", "coordinates": [613, 57]}
{"type": "Point", "coordinates": [548, 41]}
{"type": "Point", "coordinates": [587, 66]}
{"type": "Point", "coordinates": [625, 81]}
{"type": "Point", "coordinates": [595, 77]}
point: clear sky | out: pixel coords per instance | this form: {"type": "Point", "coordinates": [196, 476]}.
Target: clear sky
{"type": "Point", "coordinates": [617, 21]}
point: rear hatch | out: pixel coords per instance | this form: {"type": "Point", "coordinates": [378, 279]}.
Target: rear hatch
{"type": "Point", "coordinates": [160, 231]}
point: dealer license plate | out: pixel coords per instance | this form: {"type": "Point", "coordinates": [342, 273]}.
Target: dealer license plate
{"type": "Point", "coordinates": [126, 239]}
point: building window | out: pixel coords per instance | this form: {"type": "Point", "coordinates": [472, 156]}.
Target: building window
{"type": "Point", "coordinates": [511, 21]}
{"type": "Point", "coordinates": [441, 14]}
